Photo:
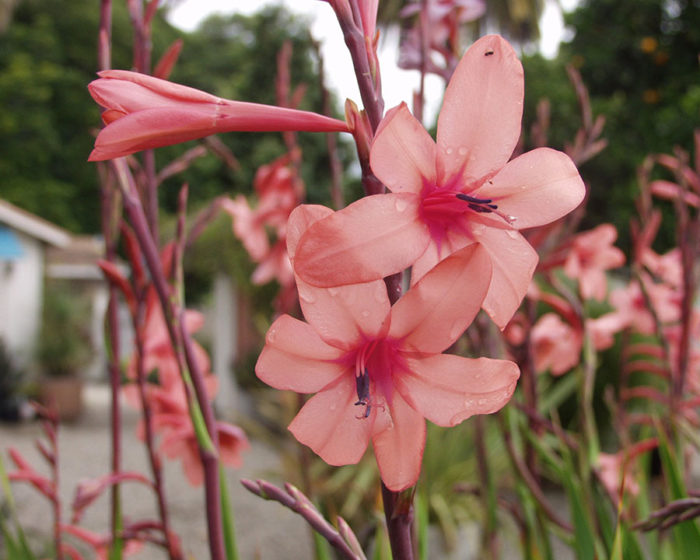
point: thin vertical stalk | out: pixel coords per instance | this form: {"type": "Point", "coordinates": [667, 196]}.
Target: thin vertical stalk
{"type": "Point", "coordinates": [109, 203]}
{"type": "Point", "coordinates": [153, 458]}
{"type": "Point", "coordinates": [198, 403]}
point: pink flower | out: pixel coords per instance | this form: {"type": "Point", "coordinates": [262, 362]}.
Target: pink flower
{"type": "Point", "coordinates": [456, 192]}
{"type": "Point", "coordinates": [591, 254]}
{"type": "Point", "coordinates": [279, 190]}
{"type": "Point", "coordinates": [143, 112]}
{"type": "Point", "coordinates": [168, 401]}
{"type": "Point", "coordinates": [614, 469]}
{"type": "Point", "coordinates": [557, 345]}
{"type": "Point", "coordinates": [377, 370]}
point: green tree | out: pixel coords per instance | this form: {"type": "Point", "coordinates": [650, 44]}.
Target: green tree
{"type": "Point", "coordinates": [640, 63]}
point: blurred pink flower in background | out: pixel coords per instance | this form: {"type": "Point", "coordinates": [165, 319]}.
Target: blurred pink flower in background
{"type": "Point", "coordinates": [615, 469]}
{"type": "Point", "coordinates": [590, 255]}
{"type": "Point", "coordinates": [167, 399]}
{"type": "Point", "coordinates": [279, 190]}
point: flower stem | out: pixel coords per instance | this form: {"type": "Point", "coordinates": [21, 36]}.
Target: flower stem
{"type": "Point", "coordinates": [199, 406]}
{"type": "Point", "coordinates": [398, 511]}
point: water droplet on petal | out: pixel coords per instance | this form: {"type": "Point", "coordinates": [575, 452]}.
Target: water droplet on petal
{"type": "Point", "coordinates": [512, 233]}
{"type": "Point", "coordinates": [332, 406]}
{"type": "Point", "coordinates": [271, 335]}
{"type": "Point", "coordinates": [462, 150]}
{"type": "Point", "coordinates": [401, 204]}
{"type": "Point", "coordinates": [307, 296]}
{"type": "Point", "coordinates": [511, 219]}
{"type": "Point", "coordinates": [481, 402]}
{"type": "Point", "coordinates": [365, 313]}
{"type": "Point", "coordinates": [449, 151]}
{"type": "Point", "coordinates": [333, 291]}
{"type": "Point", "coordinates": [478, 229]}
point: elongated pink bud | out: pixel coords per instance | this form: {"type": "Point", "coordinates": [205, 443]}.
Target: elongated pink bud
{"type": "Point", "coordinates": [143, 112]}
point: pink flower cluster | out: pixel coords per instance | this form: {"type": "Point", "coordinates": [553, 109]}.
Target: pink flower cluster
{"type": "Point", "coordinates": [453, 216]}
{"type": "Point", "coordinates": [167, 400]}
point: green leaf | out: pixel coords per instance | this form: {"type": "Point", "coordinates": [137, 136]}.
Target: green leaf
{"type": "Point", "coordinates": [686, 535]}
{"type": "Point", "coordinates": [227, 518]}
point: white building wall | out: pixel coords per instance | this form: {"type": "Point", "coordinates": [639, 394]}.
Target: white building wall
{"type": "Point", "coordinates": [20, 299]}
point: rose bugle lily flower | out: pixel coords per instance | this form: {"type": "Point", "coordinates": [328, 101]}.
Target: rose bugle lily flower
{"type": "Point", "coordinates": [451, 193]}
{"type": "Point", "coordinates": [143, 112]}
{"type": "Point", "coordinates": [378, 370]}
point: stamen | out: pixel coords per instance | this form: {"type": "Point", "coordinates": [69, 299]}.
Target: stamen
{"type": "Point", "coordinates": [362, 385]}
{"type": "Point", "coordinates": [478, 204]}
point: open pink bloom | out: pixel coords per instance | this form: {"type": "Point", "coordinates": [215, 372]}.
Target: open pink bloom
{"type": "Point", "coordinates": [279, 190]}
{"type": "Point", "coordinates": [453, 193]}
{"type": "Point", "coordinates": [143, 112]}
{"type": "Point", "coordinates": [377, 370]}
{"type": "Point", "coordinates": [179, 441]}
{"type": "Point", "coordinates": [557, 345]}
{"type": "Point", "coordinates": [443, 19]}
{"type": "Point", "coordinates": [170, 417]}
{"type": "Point", "coordinates": [591, 254]}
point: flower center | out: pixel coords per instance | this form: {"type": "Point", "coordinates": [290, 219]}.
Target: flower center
{"type": "Point", "coordinates": [374, 363]}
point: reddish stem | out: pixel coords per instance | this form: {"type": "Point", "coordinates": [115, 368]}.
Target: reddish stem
{"type": "Point", "coordinates": [182, 346]}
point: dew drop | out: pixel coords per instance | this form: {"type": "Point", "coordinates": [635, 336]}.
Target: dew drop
{"type": "Point", "coordinates": [271, 335]}
{"type": "Point", "coordinates": [511, 219]}
{"type": "Point", "coordinates": [332, 406]}
{"type": "Point", "coordinates": [481, 402]}
{"type": "Point", "coordinates": [462, 150]}
{"type": "Point", "coordinates": [449, 151]}
{"type": "Point", "coordinates": [512, 233]}
{"type": "Point", "coordinates": [478, 229]}
{"type": "Point", "coordinates": [365, 313]}
{"type": "Point", "coordinates": [401, 204]}
{"type": "Point", "coordinates": [333, 291]}
{"type": "Point", "coordinates": [308, 297]}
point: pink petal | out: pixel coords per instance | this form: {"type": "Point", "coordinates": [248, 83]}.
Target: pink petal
{"type": "Point", "coordinates": [479, 124]}
{"type": "Point", "coordinates": [403, 153]}
{"type": "Point", "coordinates": [345, 315]}
{"type": "Point", "coordinates": [536, 188]}
{"type": "Point", "coordinates": [399, 448]}
{"type": "Point", "coordinates": [295, 358]}
{"type": "Point", "coordinates": [328, 423]}
{"type": "Point", "coordinates": [114, 88]}
{"type": "Point", "coordinates": [514, 262]}
{"type": "Point", "coordinates": [454, 240]}
{"type": "Point", "coordinates": [372, 238]}
{"type": "Point", "coordinates": [448, 389]}
{"type": "Point", "coordinates": [301, 218]}
{"type": "Point", "coordinates": [435, 312]}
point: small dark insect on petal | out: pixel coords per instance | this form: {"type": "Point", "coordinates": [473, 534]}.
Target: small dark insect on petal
{"type": "Point", "coordinates": [488, 52]}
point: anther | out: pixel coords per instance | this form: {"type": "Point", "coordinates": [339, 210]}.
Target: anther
{"type": "Point", "coordinates": [478, 204]}
{"type": "Point", "coordinates": [362, 385]}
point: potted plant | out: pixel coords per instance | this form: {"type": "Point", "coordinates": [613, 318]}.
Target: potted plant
{"type": "Point", "coordinates": [63, 350]}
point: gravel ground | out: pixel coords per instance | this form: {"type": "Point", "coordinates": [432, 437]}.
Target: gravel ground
{"type": "Point", "coordinates": [265, 530]}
